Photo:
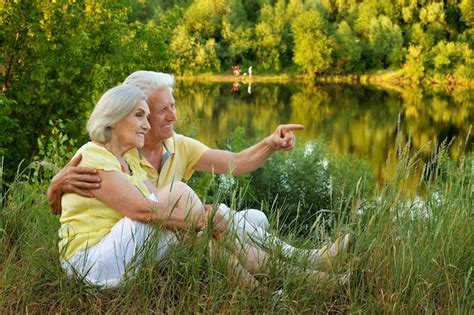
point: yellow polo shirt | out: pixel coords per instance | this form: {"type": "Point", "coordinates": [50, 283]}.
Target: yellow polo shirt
{"type": "Point", "coordinates": [180, 154]}
{"type": "Point", "coordinates": [85, 221]}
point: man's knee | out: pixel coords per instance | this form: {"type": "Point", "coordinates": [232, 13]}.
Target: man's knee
{"type": "Point", "coordinates": [256, 218]}
{"type": "Point", "coordinates": [181, 192]}
{"type": "Point", "coordinates": [180, 188]}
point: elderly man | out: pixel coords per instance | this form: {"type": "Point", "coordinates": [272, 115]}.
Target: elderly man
{"type": "Point", "coordinates": [167, 157]}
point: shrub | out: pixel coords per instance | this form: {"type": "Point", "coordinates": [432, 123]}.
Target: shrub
{"type": "Point", "coordinates": [54, 152]}
{"type": "Point", "coordinates": [305, 185]}
{"type": "Point", "coordinates": [299, 181]}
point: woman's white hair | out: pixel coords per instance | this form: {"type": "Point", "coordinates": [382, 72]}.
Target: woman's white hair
{"type": "Point", "coordinates": [112, 107]}
{"type": "Point", "coordinates": [150, 81]}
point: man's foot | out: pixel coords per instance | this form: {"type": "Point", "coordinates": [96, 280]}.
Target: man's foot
{"type": "Point", "coordinates": [330, 256]}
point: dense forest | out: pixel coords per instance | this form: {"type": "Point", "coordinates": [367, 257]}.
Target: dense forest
{"type": "Point", "coordinates": [59, 56]}
{"type": "Point", "coordinates": [423, 37]}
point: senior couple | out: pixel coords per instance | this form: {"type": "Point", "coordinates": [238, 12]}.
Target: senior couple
{"type": "Point", "coordinates": [125, 184]}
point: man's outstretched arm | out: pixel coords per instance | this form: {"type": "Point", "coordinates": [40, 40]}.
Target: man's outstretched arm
{"type": "Point", "coordinates": [252, 158]}
{"type": "Point", "coordinates": [72, 179]}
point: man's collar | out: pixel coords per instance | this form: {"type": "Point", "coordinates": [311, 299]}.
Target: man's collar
{"type": "Point", "coordinates": [168, 145]}
{"type": "Point", "coordinates": [168, 150]}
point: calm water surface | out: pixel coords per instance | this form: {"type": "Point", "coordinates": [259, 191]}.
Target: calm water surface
{"type": "Point", "coordinates": [355, 120]}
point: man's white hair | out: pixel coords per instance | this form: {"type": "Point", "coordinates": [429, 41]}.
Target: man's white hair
{"type": "Point", "coordinates": [112, 107]}
{"type": "Point", "coordinates": [150, 81]}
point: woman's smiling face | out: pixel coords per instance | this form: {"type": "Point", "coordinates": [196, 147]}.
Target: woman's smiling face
{"type": "Point", "coordinates": [130, 131]}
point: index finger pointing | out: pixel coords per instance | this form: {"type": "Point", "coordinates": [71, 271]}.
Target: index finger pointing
{"type": "Point", "coordinates": [290, 127]}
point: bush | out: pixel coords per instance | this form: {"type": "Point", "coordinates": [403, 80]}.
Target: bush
{"type": "Point", "coordinates": [305, 185]}
{"type": "Point", "coordinates": [54, 152]}
{"type": "Point", "coordinates": [351, 178]}
{"type": "Point", "coordinates": [299, 183]}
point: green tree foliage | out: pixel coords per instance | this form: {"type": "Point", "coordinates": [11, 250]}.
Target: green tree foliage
{"type": "Point", "coordinates": [191, 54]}
{"type": "Point", "coordinates": [385, 42]}
{"type": "Point", "coordinates": [454, 59]}
{"type": "Point", "coordinates": [59, 56]}
{"type": "Point", "coordinates": [347, 50]}
{"type": "Point", "coordinates": [237, 43]}
{"type": "Point", "coordinates": [274, 40]}
{"type": "Point", "coordinates": [415, 63]}
{"type": "Point", "coordinates": [466, 8]}
{"type": "Point", "coordinates": [210, 36]}
{"type": "Point", "coordinates": [467, 12]}
{"type": "Point", "coordinates": [433, 14]}
{"type": "Point", "coordinates": [194, 41]}
{"type": "Point", "coordinates": [270, 47]}
{"type": "Point", "coordinates": [312, 51]}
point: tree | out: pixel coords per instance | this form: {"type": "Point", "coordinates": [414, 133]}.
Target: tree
{"type": "Point", "coordinates": [415, 63]}
{"type": "Point", "coordinates": [385, 42]}
{"type": "Point", "coordinates": [312, 50]}
{"type": "Point", "coordinates": [59, 56]}
{"type": "Point", "coordinates": [236, 43]}
{"type": "Point", "coordinates": [211, 33]}
{"type": "Point", "coordinates": [268, 43]}
{"type": "Point", "coordinates": [452, 58]}
{"type": "Point", "coordinates": [467, 12]}
{"type": "Point", "coordinates": [347, 50]}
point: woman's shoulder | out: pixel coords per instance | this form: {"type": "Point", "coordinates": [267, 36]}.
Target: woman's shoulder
{"type": "Point", "coordinates": [97, 156]}
{"type": "Point", "coordinates": [90, 146]}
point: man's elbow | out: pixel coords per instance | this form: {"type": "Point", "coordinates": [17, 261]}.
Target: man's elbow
{"type": "Point", "coordinates": [238, 172]}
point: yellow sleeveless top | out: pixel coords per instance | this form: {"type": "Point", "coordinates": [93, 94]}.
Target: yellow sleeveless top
{"type": "Point", "coordinates": [85, 221]}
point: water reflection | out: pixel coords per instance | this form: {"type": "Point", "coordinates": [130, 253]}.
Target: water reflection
{"type": "Point", "coordinates": [355, 120]}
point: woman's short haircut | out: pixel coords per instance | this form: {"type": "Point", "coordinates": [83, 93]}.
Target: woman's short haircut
{"type": "Point", "coordinates": [150, 81]}
{"type": "Point", "coordinates": [112, 107]}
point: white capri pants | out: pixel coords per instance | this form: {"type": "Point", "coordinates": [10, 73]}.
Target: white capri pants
{"type": "Point", "coordinates": [105, 263]}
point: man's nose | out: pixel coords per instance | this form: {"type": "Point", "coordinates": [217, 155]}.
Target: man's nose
{"type": "Point", "coordinates": [171, 115]}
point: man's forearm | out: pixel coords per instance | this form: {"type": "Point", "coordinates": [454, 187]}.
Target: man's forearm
{"type": "Point", "coordinates": [54, 199]}
{"type": "Point", "coordinates": [252, 158]}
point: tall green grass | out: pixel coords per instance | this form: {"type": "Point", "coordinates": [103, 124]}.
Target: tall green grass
{"type": "Point", "coordinates": [413, 254]}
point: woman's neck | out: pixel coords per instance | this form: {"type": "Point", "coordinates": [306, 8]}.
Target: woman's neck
{"type": "Point", "coordinates": [115, 148]}
{"type": "Point", "coordinates": [118, 151]}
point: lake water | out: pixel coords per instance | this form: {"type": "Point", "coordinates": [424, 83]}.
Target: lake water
{"type": "Point", "coordinates": [356, 120]}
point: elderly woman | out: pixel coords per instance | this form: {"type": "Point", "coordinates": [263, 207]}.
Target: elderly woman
{"type": "Point", "coordinates": [99, 236]}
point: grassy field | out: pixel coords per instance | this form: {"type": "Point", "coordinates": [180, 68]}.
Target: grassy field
{"type": "Point", "coordinates": [414, 254]}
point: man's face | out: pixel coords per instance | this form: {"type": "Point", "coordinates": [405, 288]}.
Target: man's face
{"type": "Point", "coordinates": [162, 115]}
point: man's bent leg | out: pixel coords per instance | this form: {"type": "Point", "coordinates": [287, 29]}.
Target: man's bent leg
{"type": "Point", "coordinates": [251, 227]}
{"type": "Point", "coordinates": [220, 254]}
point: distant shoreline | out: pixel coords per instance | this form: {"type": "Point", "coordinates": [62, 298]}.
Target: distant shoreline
{"type": "Point", "coordinates": [385, 79]}
{"type": "Point", "coordinates": [269, 78]}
